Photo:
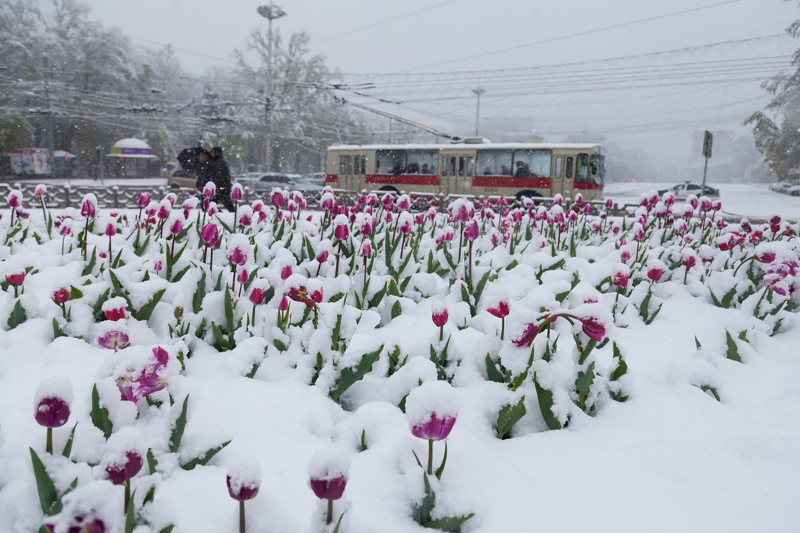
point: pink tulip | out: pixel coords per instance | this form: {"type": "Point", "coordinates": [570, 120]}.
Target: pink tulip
{"type": "Point", "coordinates": [286, 272]}
{"type": "Point", "coordinates": [113, 340]}
{"type": "Point", "coordinates": [593, 328]}
{"type": "Point", "coordinates": [237, 256]}
{"type": "Point", "coordinates": [210, 235]}
{"type": "Point", "coordinates": [528, 334]}
{"type": "Point", "coordinates": [237, 192]}
{"type": "Point", "coordinates": [176, 227]}
{"type": "Point", "coordinates": [123, 469]}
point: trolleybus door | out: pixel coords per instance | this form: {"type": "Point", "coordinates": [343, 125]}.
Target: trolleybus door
{"type": "Point", "coordinates": [456, 171]}
{"type": "Point", "coordinates": [563, 182]}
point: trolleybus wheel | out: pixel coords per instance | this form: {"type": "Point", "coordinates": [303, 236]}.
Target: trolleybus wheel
{"type": "Point", "coordinates": [527, 194]}
{"type": "Point", "coordinates": [387, 188]}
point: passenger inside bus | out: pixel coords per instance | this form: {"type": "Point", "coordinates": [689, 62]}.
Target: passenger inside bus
{"type": "Point", "coordinates": [425, 169]}
{"type": "Point", "coordinates": [523, 170]}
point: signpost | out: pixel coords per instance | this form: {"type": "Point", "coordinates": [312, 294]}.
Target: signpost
{"type": "Point", "coordinates": [708, 140]}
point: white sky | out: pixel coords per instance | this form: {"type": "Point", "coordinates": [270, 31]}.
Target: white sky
{"type": "Point", "coordinates": [432, 31]}
{"type": "Point", "coordinates": [376, 36]}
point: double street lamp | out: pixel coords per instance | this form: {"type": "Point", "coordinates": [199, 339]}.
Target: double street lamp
{"type": "Point", "coordinates": [269, 12]}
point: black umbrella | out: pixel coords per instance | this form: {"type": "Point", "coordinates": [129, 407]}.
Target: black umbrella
{"type": "Point", "coordinates": [188, 157]}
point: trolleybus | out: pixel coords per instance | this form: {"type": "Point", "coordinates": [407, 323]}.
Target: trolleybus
{"type": "Point", "coordinates": [487, 169]}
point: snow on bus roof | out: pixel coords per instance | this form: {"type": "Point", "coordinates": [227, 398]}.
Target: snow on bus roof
{"type": "Point", "coordinates": [465, 146]}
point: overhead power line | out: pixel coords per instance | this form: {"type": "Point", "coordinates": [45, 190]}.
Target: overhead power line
{"type": "Point", "coordinates": [570, 36]}
{"type": "Point", "coordinates": [381, 22]}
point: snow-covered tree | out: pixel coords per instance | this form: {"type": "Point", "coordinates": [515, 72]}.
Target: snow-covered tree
{"type": "Point", "coordinates": [776, 130]}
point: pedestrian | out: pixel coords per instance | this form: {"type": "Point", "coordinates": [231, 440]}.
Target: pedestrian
{"type": "Point", "coordinates": [220, 174]}
{"type": "Point", "coordinates": [203, 168]}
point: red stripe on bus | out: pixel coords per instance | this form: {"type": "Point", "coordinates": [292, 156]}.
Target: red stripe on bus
{"type": "Point", "coordinates": [404, 179]}
{"type": "Point", "coordinates": [514, 183]}
{"type": "Point", "coordinates": [588, 186]}
{"type": "Point", "coordinates": [331, 178]}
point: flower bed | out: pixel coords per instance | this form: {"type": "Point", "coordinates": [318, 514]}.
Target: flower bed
{"type": "Point", "coordinates": [173, 351]}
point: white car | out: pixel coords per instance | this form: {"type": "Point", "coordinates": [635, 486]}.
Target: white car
{"type": "Point", "coordinates": [683, 190]}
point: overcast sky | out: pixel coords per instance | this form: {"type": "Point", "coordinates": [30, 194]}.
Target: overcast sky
{"type": "Point", "coordinates": [425, 37]}
{"type": "Point", "coordinates": [386, 36]}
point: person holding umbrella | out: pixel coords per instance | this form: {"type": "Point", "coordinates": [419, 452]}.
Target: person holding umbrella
{"type": "Point", "coordinates": [220, 174]}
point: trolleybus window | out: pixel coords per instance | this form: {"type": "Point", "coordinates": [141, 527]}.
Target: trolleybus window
{"type": "Point", "coordinates": [582, 170]}
{"type": "Point", "coordinates": [390, 162]}
{"type": "Point", "coordinates": [470, 162]}
{"type": "Point", "coordinates": [343, 164]}
{"type": "Point", "coordinates": [421, 162]}
{"type": "Point", "coordinates": [532, 163]}
{"type": "Point", "coordinates": [349, 165]}
{"type": "Point", "coordinates": [494, 163]}
{"type": "Point", "coordinates": [363, 164]}
{"type": "Point", "coordinates": [559, 162]}
{"type": "Point", "coordinates": [444, 165]}
{"type": "Point", "coordinates": [569, 168]}
{"type": "Point", "coordinates": [598, 168]}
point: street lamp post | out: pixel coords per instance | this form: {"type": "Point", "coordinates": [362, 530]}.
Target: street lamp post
{"type": "Point", "coordinates": [270, 12]}
{"type": "Point", "coordinates": [478, 92]}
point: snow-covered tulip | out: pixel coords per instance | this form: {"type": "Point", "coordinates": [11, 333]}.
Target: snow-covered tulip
{"type": "Point", "coordinates": [113, 339]}
{"type": "Point", "coordinates": [16, 280]}
{"type": "Point", "coordinates": [89, 206]}
{"type": "Point", "coordinates": [51, 405]}
{"type": "Point", "coordinates": [689, 260]}
{"type": "Point", "coordinates": [243, 481]}
{"type": "Point", "coordinates": [439, 316]}
{"type": "Point", "coordinates": [209, 191]}
{"type": "Point", "coordinates": [60, 298]}
{"type": "Point", "coordinates": [286, 271]}
{"type": "Point", "coordinates": [278, 199]}
{"type": "Point", "coordinates": [593, 328]}
{"type": "Point", "coordinates": [500, 310]}
{"type": "Point", "coordinates": [14, 202]}
{"type": "Point", "coordinates": [299, 293]}
{"type": "Point", "coordinates": [527, 336]}
{"type": "Point", "coordinates": [431, 411]}
{"type": "Point", "coordinates": [237, 192]}
{"type": "Point", "coordinates": [655, 269]}
{"type": "Point", "coordinates": [237, 256]}
{"type": "Point", "coordinates": [120, 467]}
{"type": "Point", "coordinates": [81, 513]}
{"type": "Point", "coordinates": [257, 295]}
{"type": "Point", "coordinates": [328, 470]}
{"type": "Point", "coordinates": [620, 274]}
{"type": "Point", "coordinates": [114, 309]}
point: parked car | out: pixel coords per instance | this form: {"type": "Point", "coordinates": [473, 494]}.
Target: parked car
{"type": "Point", "coordinates": [793, 189]}
{"type": "Point", "coordinates": [266, 181]}
{"type": "Point", "coordinates": [310, 182]}
{"type": "Point", "coordinates": [183, 179]}
{"type": "Point", "coordinates": [683, 190]}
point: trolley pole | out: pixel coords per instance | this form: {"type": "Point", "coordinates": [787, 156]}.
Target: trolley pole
{"type": "Point", "coordinates": [708, 140]}
{"type": "Point", "coordinates": [478, 92]}
{"type": "Point", "coordinates": [270, 12]}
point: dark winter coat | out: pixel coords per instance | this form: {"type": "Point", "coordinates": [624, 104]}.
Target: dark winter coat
{"type": "Point", "coordinates": [220, 174]}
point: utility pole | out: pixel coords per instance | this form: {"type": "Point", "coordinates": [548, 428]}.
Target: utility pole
{"type": "Point", "coordinates": [270, 12]}
{"type": "Point", "coordinates": [478, 92]}
{"type": "Point", "coordinates": [51, 144]}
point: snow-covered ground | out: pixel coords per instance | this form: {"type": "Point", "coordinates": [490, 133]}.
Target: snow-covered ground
{"type": "Point", "coordinates": [748, 200]}
{"type": "Point", "coordinates": [670, 458]}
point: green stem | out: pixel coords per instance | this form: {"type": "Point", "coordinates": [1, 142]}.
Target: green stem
{"type": "Point", "coordinates": [329, 517]}
{"type": "Point", "coordinates": [127, 495]}
{"type": "Point", "coordinates": [441, 333]}
{"type": "Point", "coordinates": [502, 327]}
{"type": "Point", "coordinates": [430, 457]}
{"type": "Point", "coordinates": [241, 517]}
{"type": "Point", "coordinates": [49, 445]}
